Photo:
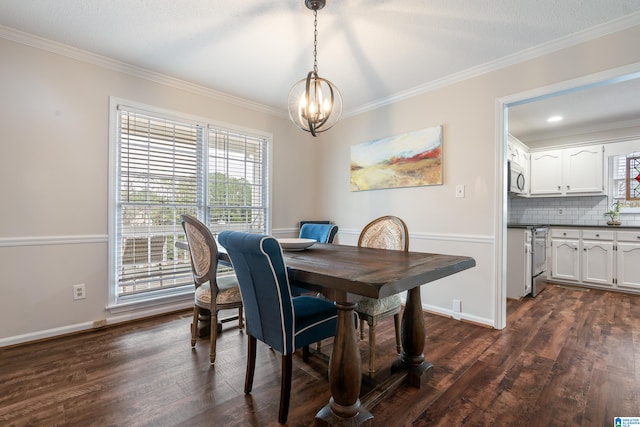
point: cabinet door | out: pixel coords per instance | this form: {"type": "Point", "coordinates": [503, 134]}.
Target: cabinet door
{"type": "Point", "coordinates": [597, 262]}
{"type": "Point", "coordinates": [546, 172]}
{"type": "Point", "coordinates": [583, 169]}
{"type": "Point", "coordinates": [628, 265]}
{"type": "Point", "coordinates": [565, 259]}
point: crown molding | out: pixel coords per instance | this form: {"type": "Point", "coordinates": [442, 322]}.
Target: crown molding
{"type": "Point", "coordinates": [581, 130]}
{"type": "Point", "coordinates": [601, 30]}
{"type": "Point", "coordinates": [112, 64]}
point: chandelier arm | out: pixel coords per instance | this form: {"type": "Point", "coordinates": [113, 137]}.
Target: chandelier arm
{"type": "Point", "coordinates": [312, 127]}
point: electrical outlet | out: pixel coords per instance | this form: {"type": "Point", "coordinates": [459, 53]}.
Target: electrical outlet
{"type": "Point", "coordinates": [560, 211]}
{"type": "Point", "coordinates": [79, 291]}
{"type": "Point", "coordinates": [460, 191]}
{"type": "Point", "coordinates": [457, 306]}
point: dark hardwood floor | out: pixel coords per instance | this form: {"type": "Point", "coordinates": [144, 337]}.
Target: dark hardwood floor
{"type": "Point", "coordinates": [567, 358]}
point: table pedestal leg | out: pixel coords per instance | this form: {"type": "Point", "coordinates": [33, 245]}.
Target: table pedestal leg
{"type": "Point", "coordinates": [344, 408]}
{"type": "Point", "coordinates": [419, 371]}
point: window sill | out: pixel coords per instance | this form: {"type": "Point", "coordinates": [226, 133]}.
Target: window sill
{"type": "Point", "coordinates": [171, 301]}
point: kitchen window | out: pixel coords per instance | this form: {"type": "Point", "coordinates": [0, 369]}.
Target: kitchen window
{"type": "Point", "coordinates": [164, 165]}
{"type": "Point", "coordinates": [619, 171]}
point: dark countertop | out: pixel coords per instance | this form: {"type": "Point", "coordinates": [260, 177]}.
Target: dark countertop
{"type": "Point", "coordinates": [612, 227]}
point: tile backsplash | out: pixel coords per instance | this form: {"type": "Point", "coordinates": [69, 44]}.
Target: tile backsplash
{"type": "Point", "coordinates": [588, 210]}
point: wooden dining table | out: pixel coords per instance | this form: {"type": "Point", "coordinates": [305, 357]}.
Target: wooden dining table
{"type": "Point", "coordinates": [344, 274]}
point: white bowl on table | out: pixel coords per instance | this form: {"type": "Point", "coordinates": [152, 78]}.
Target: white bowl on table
{"type": "Point", "coordinates": [295, 244]}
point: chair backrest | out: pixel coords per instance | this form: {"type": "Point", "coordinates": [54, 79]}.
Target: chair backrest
{"type": "Point", "coordinates": [323, 233]}
{"type": "Point", "coordinates": [264, 285]}
{"type": "Point", "coordinates": [203, 250]}
{"type": "Point", "coordinates": [387, 232]}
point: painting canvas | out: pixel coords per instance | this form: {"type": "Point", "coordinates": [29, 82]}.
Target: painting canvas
{"type": "Point", "coordinates": [408, 160]}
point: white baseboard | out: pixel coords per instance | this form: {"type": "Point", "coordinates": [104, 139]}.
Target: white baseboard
{"type": "Point", "coordinates": [85, 326]}
{"type": "Point", "coordinates": [458, 316]}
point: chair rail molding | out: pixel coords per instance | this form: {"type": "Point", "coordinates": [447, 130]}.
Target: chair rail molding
{"type": "Point", "coordinates": [465, 238]}
{"type": "Point", "coordinates": [52, 240]}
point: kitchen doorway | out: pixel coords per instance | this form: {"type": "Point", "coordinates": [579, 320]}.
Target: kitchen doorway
{"type": "Point", "coordinates": [522, 114]}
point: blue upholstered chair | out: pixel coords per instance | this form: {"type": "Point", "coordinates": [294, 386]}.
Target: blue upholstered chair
{"type": "Point", "coordinates": [323, 233]}
{"type": "Point", "coordinates": [387, 232]}
{"type": "Point", "coordinates": [272, 315]}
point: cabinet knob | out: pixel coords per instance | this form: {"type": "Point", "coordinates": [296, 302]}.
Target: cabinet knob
{"type": "Point", "coordinates": [558, 188]}
{"type": "Point", "coordinates": [597, 235]}
{"type": "Point", "coordinates": [568, 187]}
{"type": "Point", "coordinates": [564, 234]}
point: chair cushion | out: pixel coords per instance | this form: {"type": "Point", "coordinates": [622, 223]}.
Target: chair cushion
{"type": "Point", "coordinates": [374, 307]}
{"type": "Point", "coordinates": [315, 320]}
{"type": "Point", "coordinates": [229, 292]}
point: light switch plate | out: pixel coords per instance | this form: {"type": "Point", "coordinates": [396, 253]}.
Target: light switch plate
{"type": "Point", "coordinates": [459, 191]}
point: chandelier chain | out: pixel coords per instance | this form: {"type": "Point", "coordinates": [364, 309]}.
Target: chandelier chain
{"type": "Point", "coordinates": [315, 41]}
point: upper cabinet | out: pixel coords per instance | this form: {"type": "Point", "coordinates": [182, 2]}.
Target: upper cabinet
{"type": "Point", "coordinates": [546, 173]}
{"type": "Point", "coordinates": [569, 171]}
{"type": "Point", "coordinates": [517, 152]}
{"type": "Point", "coordinates": [583, 169]}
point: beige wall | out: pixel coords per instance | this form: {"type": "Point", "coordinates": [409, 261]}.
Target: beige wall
{"type": "Point", "coordinates": [54, 168]}
{"type": "Point", "coordinates": [54, 138]}
{"type": "Point", "coordinates": [437, 220]}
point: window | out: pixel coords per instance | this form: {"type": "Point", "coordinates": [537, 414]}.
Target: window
{"type": "Point", "coordinates": [164, 166]}
{"type": "Point", "coordinates": [621, 169]}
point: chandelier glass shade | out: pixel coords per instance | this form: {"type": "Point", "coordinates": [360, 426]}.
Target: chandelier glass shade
{"type": "Point", "coordinates": [315, 104]}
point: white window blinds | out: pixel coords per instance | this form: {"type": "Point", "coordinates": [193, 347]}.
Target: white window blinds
{"type": "Point", "coordinates": [158, 180]}
{"type": "Point", "coordinates": [167, 167]}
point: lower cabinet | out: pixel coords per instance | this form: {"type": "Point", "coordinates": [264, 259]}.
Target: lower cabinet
{"type": "Point", "coordinates": [628, 260]}
{"type": "Point", "coordinates": [565, 261]}
{"type": "Point", "coordinates": [565, 257]}
{"type": "Point", "coordinates": [596, 257]}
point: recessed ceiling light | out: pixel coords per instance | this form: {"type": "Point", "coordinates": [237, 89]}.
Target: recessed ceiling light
{"type": "Point", "coordinates": [554, 119]}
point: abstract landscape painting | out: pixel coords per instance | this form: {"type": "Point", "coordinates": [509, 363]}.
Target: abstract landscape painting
{"type": "Point", "coordinates": [408, 160]}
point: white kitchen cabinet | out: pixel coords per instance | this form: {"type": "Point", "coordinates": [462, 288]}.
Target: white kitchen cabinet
{"type": "Point", "coordinates": [597, 257]}
{"type": "Point", "coordinates": [567, 171]}
{"type": "Point", "coordinates": [545, 175]}
{"type": "Point", "coordinates": [518, 262]}
{"type": "Point", "coordinates": [628, 260]}
{"type": "Point", "coordinates": [517, 152]}
{"type": "Point", "coordinates": [565, 256]}
{"type": "Point", "coordinates": [583, 169]}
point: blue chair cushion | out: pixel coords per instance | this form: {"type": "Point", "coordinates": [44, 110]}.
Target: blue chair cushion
{"type": "Point", "coordinates": [315, 320]}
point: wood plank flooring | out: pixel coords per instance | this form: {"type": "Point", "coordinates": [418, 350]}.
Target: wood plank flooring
{"type": "Point", "coordinates": [568, 357]}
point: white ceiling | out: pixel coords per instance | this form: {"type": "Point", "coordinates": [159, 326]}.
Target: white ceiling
{"type": "Point", "coordinates": [373, 50]}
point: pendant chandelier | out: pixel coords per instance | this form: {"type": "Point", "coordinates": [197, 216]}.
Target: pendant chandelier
{"type": "Point", "coordinates": [315, 104]}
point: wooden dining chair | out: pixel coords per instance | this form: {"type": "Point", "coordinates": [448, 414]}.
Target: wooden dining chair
{"type": "Point", "coordinates": [273, 316]}
{"type": "Point", "coordinates": [387, 232]}
{"type": "Point", "coordinates": [213, 292]}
